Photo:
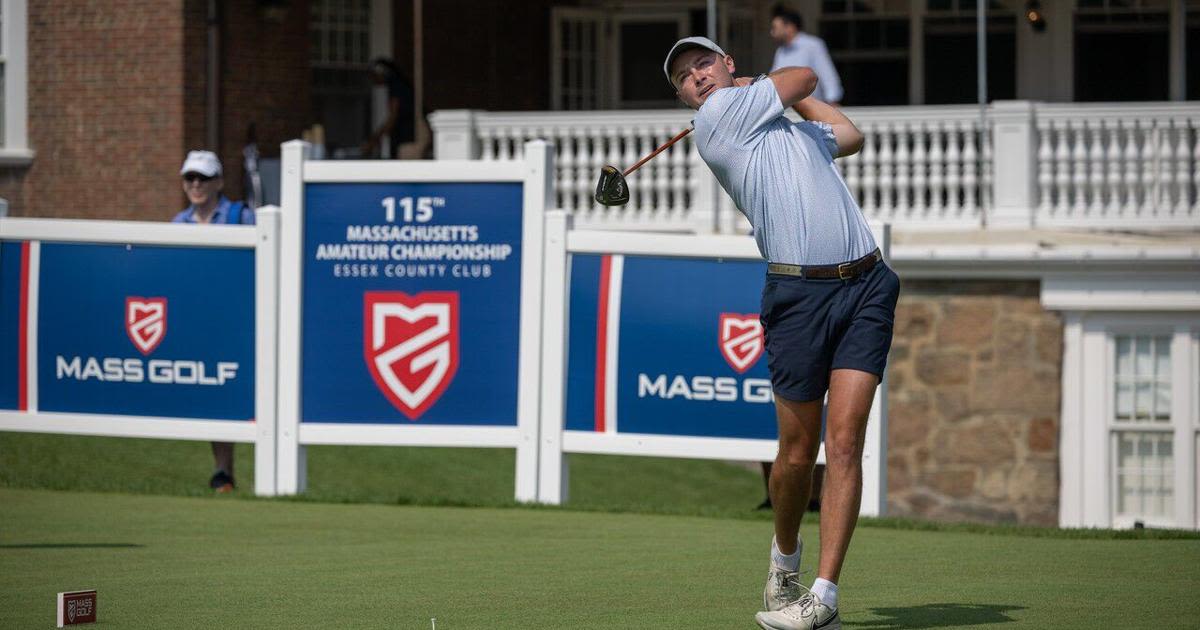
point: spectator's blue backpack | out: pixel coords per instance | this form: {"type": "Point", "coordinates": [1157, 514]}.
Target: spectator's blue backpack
{"type": "Point", "coordinates": [235, 213]}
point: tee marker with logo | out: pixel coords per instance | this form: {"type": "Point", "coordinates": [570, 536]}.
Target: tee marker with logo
{"type": "Point", "coordinates": [76, 607]}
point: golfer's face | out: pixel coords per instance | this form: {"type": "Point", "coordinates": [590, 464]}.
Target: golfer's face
{"type": "Point", "coordinates": [698, 73]}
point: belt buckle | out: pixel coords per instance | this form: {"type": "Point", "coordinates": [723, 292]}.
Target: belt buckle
{"type": "Point", "coordinates": [844, 271]}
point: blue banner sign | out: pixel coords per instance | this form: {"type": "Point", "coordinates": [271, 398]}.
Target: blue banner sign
{"type": "Point", "coordinates": [411, 303]}
{"type": "Point", "coordinates": [667, 346]}
{"type": "Point", "coordinates": [145, 330]}
{"type": "Point", "coordinates": [12, 290]}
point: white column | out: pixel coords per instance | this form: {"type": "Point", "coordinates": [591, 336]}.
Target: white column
{"type": "Point", "coordinates": [1183, 364]}
{"type": "Point", "coordinates": [916, 52]}
{"type": "Point", "coordinates": [1177, 52]}
{"type": "Point", "coordinates": [1070, 440]}
{"type": "Point", "coordinates": [1096, 443]}
{"type": "Point", "coordinates": [455, 136]}
{"type": "Point", "coordinates": [1014, 165]}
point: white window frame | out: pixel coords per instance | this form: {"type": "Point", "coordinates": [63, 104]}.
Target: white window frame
{"type": "Point", "coordinates": [1087, 452]}
{"type": "Point", "coordinates": [15, 150]}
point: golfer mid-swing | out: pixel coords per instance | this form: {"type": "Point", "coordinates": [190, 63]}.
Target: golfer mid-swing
{"type": "Point", "coordinates": [827, 305]}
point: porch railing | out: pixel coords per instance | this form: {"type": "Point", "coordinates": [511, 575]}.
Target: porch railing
{"type": "Point", "coordinates": [1127, 165]}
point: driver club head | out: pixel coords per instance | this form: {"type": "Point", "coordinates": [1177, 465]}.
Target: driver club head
{"type": "Point", "coordinates": [611, 189]}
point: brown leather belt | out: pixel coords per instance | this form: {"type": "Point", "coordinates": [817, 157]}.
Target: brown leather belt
{"type": "Point", "coordinates": [843, 271]}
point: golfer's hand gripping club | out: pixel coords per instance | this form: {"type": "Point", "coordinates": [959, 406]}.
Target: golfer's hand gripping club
{"type": "Point", "coordinates": [612, 190]}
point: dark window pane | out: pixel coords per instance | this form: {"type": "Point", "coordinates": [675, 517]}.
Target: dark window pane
{"type": "Point", "coordinates": [940, 5]}
{"type": "Point", "coordinates": [1139, 59]}
{"type": "Point", "coordinates": [643, 47]}
{"type": "Point", "coordinates": [833, 6]}
{"type": "Point", "coordinates": [867, 35]}
{"type": "Point", "coordinates": [836, 34]}
{"type": "Point", "coordinates": [874, 82]}
{"type": "Point", "coordinates": [895, 34]}
{"type": "Point", "coordinates": [698, 21]}
{"type": "Point", "coordinates": [950, 68]}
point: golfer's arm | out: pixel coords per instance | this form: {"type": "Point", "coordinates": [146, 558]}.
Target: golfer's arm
{"type": "Point", "coordinates": [849, 138]}
{"type": "Point", "coordinates": [793, 84]}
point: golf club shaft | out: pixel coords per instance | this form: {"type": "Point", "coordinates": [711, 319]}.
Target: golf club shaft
{"type": "Point", "coordinates": [664, 147]}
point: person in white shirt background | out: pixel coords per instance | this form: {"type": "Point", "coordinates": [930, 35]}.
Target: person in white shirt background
{"type": "Point", "coordinates": [800, 49]}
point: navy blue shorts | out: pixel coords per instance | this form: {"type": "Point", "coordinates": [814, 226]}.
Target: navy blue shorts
{"type": "Point", "coordinates": [815, 326]}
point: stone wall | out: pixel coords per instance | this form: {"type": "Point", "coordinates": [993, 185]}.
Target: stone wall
{"type": "Point", "coordinates": [974, 403]}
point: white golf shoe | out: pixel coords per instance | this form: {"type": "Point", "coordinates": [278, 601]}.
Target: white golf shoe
{"type": "Point", "coordinates": [783, 587]}
{"type": "Point", "coordinates": [806, 613]}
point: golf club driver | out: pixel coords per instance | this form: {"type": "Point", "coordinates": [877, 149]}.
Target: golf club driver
{"type": "Point", "coordinates": [612, 190]}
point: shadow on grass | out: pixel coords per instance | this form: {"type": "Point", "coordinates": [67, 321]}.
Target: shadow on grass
{"type": "Point", "coordinates": [935, 616]}
{"type": "Point", "coordinates": [71, 546]}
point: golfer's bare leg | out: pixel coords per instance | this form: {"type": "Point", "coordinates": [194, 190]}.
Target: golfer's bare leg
{"type": "Point", "coordinates": [850, 395]}
{"type": "Point", "coordinates": [791, 475]}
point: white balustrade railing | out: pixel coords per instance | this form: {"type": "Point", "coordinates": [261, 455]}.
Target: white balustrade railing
{"type": "Point", "coordinates": [925, 165]}
{"type": "Point", "coordinates": [1090, 165]}
{"type": "Point", "coordinates": [1118, 165]}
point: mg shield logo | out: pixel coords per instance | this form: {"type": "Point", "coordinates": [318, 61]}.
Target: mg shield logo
{"type": "Point", "coordinates": [146, 322]}
{"type": "Point", "coordinates": [410, 343]}
{"type": "Point", "coordinates": [741, 340]}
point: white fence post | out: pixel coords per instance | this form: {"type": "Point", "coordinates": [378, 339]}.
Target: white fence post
{"type": "Point", "coordinates": [538, 193]}
{"type": "Point", "coordinates": [455, 136]}
{"type": "Point", "coordinates": [290, 478]}
{"type": "Point", "coordinates": [1014, 164]}
{"type": "Point", "coordinates": [552, 464]}
{"type": "Point", "coordinates": [875, 466]}
{"type": "Point", "coordinates": [266, 314]}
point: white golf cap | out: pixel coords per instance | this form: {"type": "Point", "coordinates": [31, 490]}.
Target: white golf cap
{"type": "Point", "coordinates": [684, 44]}
{"type": "Point", "coordinates": [203, 162]}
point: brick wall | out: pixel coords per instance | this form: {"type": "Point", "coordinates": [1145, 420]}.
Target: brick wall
{"type": "Point", "coordinates": [265, 79]}
{"type": "Point", "coordinates": [105, 110]}
{"type": "Point", "coordinates": [117, 95]}
{"type": "Point", "coordinates": [974, 403]}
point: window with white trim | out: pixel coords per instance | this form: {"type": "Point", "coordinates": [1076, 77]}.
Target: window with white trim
{"type": "Point", "coordinates": [1130, 449]}
{"type": "Point", "coordinates": [14, 143]}
{"type": "Point", "coordinates": [1143, 472]}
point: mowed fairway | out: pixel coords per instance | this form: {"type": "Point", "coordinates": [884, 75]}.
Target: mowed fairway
{"type": "Point", "coordinates": [181, 562]}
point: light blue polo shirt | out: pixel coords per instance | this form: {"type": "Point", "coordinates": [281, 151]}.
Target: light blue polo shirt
{"type": "Point", "coordinates": [782, 177]}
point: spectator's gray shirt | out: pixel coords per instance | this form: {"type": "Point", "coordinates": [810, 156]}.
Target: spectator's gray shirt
{"type": "Point", "coordinates": [782, 177]}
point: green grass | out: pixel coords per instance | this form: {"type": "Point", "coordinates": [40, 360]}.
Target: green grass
{"type": "Point", "coordinates": [643, 543]}
{"type": "Point", "coordinates": [357, 474]}
{"type": "Point", "coordinates": [204, 563]}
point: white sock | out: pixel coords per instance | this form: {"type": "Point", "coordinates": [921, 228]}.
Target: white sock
{"type": "Point", "coordinates": [786, 562]}
{"type": "Point", "coordinates": [825, 591]}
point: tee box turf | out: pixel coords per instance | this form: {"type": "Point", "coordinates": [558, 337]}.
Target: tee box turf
{"type": "Point", "coordinates": [76, 607]}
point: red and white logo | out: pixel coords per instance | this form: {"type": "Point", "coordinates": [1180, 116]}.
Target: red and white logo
{"type": "Point", "coordinates": [741, 339]}
{"type": "Point", "coordinates": [410, 343]}
{"type": "Point", "coordinates": [146, 322]}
